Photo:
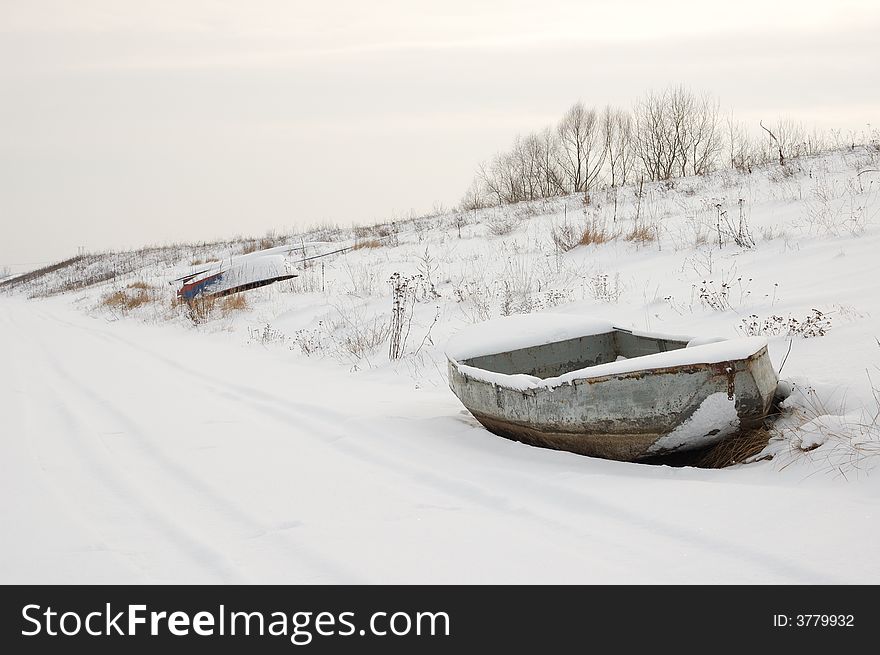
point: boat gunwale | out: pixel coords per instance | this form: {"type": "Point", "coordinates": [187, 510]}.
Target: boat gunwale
{"type": "Point", "coordinates": [694, 367]}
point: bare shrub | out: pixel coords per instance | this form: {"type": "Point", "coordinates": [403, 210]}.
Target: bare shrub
{"type": "Point", "coordinates": [502, 224]}
{"type": "Point", "coordinates": [310, 341]}
{"type": "Point", "coordinates": [427, 268]}
{"type": "Point", "coordinates": [565, 236]}
{"type": "Point", "coordinates": [516, 287]}
{"type": "Point", "coordinates": [714, 296]}
{"type": "Point", "coordinates": [310, 279]}
{"type": "Point", "coordinates": [814, 324]}
{"type": "Point", "coordinates": [475, 300]}
{"type": "Point", "coordinates": [266, 335]}
{"type": "Point", "coordinates": [735, 229]}
{"type": "Point", "coordinates": [199, 309]}
{"type": "Point", "coordinates": [604, 288]}
{"type": "Point", "coordinates": [403, 291]}
{"type": "Point", "coordinates": [360, 336]}
{"type": "Point", "coordinates": [364, 279]}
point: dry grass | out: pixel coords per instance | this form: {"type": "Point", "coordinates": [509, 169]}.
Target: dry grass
{"type": "Point", "coordinates": [233, 303]}
{"type": "Point", "coordinates": [369, 243]}
{"type": "Point", "coordinates": [594, 233]}
{"type": "Point", "coordinates": [567, 236]}
{"type": "Point", "coordinates": [737, 449]}
{"type": "Point", "coordinates": [40, 272]}
{"type": "Point", "coordinates": [202, 309]}
{"type": "Point", "coordinates": [206, 260]}
{"type": "Point", "coordinates": [140, 284]}
{"type": "Point", "coordinates": [377, 230]}
{"type": "Point", "coordinates": [199, 309]}
{"type": "Point", "coordinates": [261, 244]}
{"type": "Point", "coordinates": [135, 295]}
{"type": "Point", "coordinates": [641, 234]}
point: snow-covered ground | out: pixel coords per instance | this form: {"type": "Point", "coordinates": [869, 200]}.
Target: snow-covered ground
{"type": "Point", "coordinates": [145, 442]}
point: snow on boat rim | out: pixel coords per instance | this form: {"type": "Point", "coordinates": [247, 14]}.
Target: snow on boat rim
{"type": "Point", "coordinates": [524, 331]}
{"type": "Point", "coordinates": [485, 339]}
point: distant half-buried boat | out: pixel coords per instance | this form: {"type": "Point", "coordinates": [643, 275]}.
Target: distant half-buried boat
{"type": "Point", "coordinates": [569, 383]}
{"type": "Point", "coordinates": [240, 275]}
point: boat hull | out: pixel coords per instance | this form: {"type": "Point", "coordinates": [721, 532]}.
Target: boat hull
{"type": "Point", "coordinates": [628, 416]}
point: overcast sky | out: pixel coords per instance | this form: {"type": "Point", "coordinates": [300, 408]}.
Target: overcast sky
{"type": "Point", "coordinates": [126, 122]}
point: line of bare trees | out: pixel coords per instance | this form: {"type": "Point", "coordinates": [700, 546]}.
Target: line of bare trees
{"type": "Point", "coordinates": [667, 134]}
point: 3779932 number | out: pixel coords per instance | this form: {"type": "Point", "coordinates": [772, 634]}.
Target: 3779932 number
{"type": "Point", "coordinates": [824, 620]}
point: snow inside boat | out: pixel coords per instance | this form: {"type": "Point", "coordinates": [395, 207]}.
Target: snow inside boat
{"type": "Point", "coordinates": [570, 383]}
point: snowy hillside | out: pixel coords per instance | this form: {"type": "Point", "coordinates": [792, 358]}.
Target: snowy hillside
{"type": "Point", "coordinates": [269, 436]}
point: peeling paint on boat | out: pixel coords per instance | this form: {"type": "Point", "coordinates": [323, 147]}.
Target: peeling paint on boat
{"type": "Point", "coordinates": [573, 394]}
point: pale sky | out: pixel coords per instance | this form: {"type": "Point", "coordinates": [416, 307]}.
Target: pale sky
{"type": "Point", "coordinates": [125, 123]}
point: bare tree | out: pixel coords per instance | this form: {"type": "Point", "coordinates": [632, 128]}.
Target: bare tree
{"type": "Point", "coordinates": [657, 136]}
{"type": "Point", "coordinates": [774, 141]}
{"type": "Point", "coordinates": [677, 133]}
{"type": "Point", "coordinates": [620, 156]}
{"type": "Point", "coordinates": [489, 179]}
{"type": "Point", "coordinates": [475, 198]}
{"type": "Point", "coordinates": [553, 178]}
{"type": "Point", "coordinates": [789, 140]}
{"type": "Point", "coordinates": [581, 147]}
{"type": "Point", "coordinates": [701, 141]}
{"type": "Point", "coordinates": [742, 153]}
{"type": "Point", "coordinates": [671, 133]}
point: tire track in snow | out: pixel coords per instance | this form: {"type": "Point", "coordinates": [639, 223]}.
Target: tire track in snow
{"type": "Point", "coordinates": [321, 424]}
{"type": "Point", "coordinates": [103, 484]}
{"type": "Point", "coordinates": [200, 554]}
{"type": "Point", "coordinates": [287, 412]}
{"type": "Point", "coordinates": [224, 509]}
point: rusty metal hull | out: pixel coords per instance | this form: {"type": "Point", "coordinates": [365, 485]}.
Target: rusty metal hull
{"type": "Point", "coordinates": [627, 416]}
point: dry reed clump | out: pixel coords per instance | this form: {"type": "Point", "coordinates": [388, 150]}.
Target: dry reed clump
{"type": "Point", "coordinates": [368, 243]}
{"type": "Point", "coordinates": [567, 236]}
{"type": "Point", "coordinates": [737, 449]}
{"type": "Point", "coordinates": [641, 234]}
{"type": "Point", "coordinates": [135, 295]}
{"type": "Point", "coordinates": [377, 230]}
{"type": "Point", "coordinates": [594, 233]}
{"type": "Point", "coordinates": [261, 244]}
{"type": "Point", "coordinates": [203, 308]}
{"type": "Point", "coordinates": [235, 302]}
{"type": "Point", "coordinates": [198, 309]}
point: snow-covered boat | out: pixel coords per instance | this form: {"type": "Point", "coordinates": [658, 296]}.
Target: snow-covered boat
{"type": "Point", "coordinates": [240, 274]}
{"type": "Point", "coordinates": [570, 383]}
